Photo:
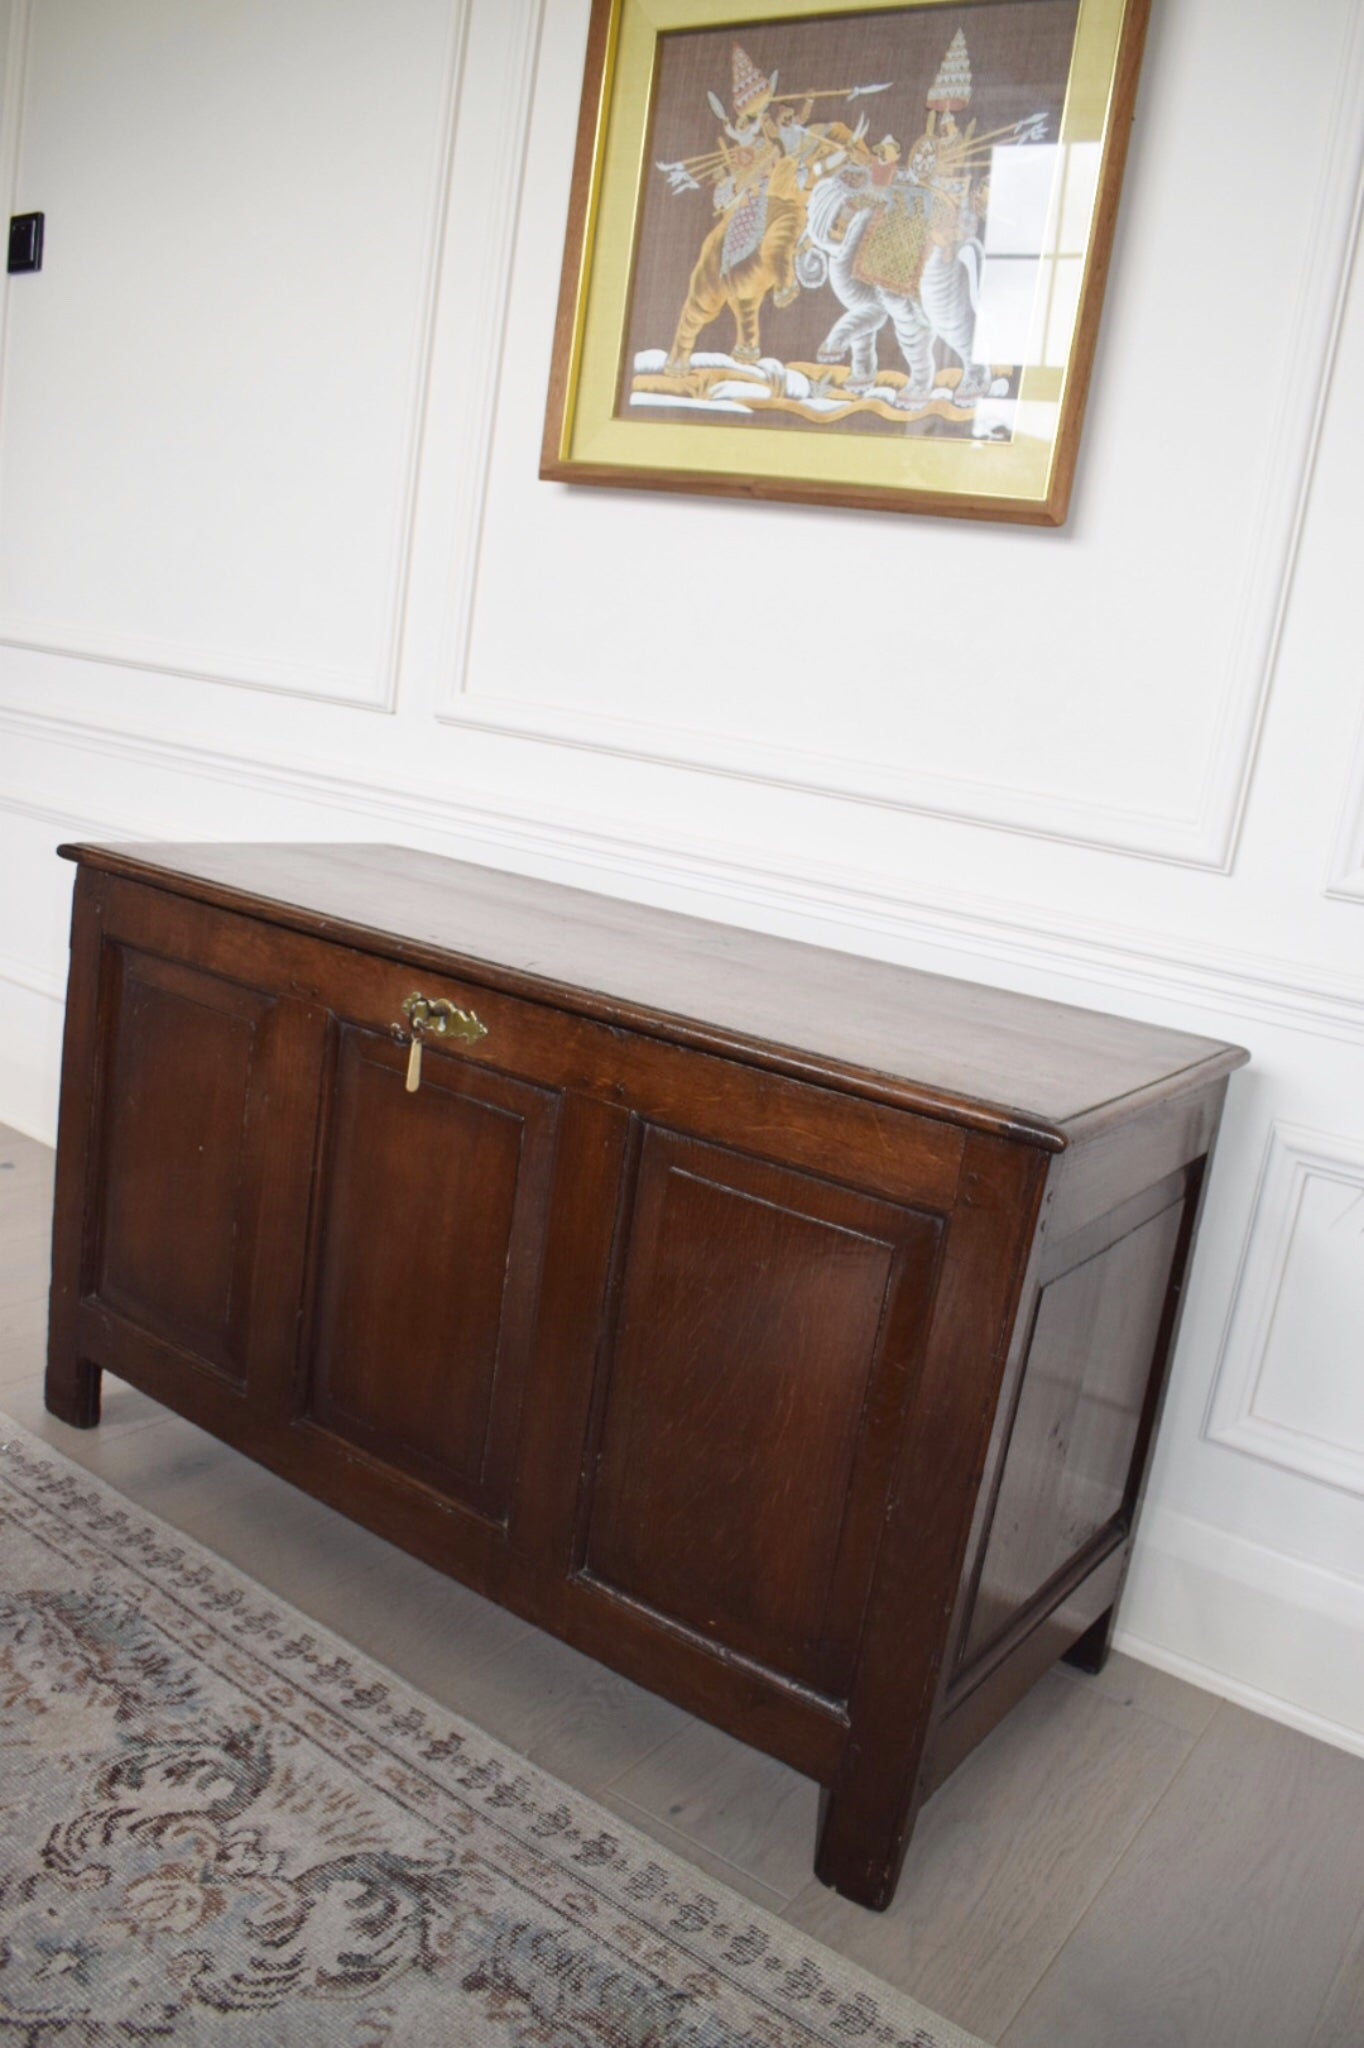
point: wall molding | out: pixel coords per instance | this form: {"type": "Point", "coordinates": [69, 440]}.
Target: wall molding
{"type": "Point", "coordinates": [195, 663]}
{"type": "Point", "coordinates": [1292, 447]}
{"type": "Point", "coordinates": [488, 259]}
{"type": "Point", "coordinates": [34, 981]}
{"type": "Point", "coordinates": [252, 669]}
{"type": "Point", "coordinates": [34, 978]}
{"type": "Point", "coordinates": [1294, 1157]}
{"type": "Point", "coordinates": [1105, 954]}
{"type": "Point", "coordinates": [1345, 876]}
{"type": "Point", "coordinates": [66, 819]}
{"type": "Point", "coordinates": [1209, 837]}
{"type": "Point", "coordinates": [1273, 1706]}
{"type": "Point", "coordinates": [845, 777]}
{"type": "Point", "coordinates": [11, 137]}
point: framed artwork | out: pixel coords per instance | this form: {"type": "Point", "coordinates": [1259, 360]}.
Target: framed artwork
{"type": "Point", "coordinates": [842, 251]}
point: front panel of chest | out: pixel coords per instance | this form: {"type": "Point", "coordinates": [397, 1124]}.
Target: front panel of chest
{"type": "Point", "coordinates": [763, 1335]}
{"type": "Point", "coordinates": [427, 1249]}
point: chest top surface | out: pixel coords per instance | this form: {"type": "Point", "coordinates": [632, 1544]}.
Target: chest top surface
{"type": "Point", "coordinates": [1043, 1071]}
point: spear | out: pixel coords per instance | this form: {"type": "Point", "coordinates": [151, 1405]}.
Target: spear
{"type": "Point", "coordinates": [1033, 129]}
{"type": "Point", "coordinates": [695, 163]}
{"type": "Point", "coordinates": [682, 176]}
{"type": "Point", "coordinates": [853, 92]}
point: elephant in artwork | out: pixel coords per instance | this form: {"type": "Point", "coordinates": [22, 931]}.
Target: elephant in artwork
{"type": "Point", "coordinates": [924, 282]}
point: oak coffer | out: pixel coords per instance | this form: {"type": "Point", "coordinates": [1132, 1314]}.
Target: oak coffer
{"type": "Point", "coordinates": [786, 1329]}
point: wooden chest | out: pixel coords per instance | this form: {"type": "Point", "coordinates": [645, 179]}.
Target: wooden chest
{"type": "Point", "coordinates": [785, 1329]}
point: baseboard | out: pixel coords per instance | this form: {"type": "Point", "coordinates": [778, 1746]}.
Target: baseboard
{"type": "Point", "coordinates": [1267, 1703]}
{"type": "Point", "coordinates": [1258, 1626]}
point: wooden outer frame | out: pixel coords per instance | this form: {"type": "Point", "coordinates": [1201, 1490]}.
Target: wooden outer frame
{"type": "Point", "coordinates": [558, 465]}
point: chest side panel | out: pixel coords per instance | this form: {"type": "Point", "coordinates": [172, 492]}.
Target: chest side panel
{"type": "Point", "coordinates": [1087, 1374]}
{"type": "Point", "coordinates": [1065, 1482]}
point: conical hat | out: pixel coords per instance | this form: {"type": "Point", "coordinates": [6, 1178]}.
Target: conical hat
{"type": "Point", "coordinates": [952, 86]}
{"type": "Point", "coordinates": [751, 90]}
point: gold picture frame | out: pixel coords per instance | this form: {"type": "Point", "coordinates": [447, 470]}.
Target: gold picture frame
{"type": "Point", "coordinates": [901, 320]}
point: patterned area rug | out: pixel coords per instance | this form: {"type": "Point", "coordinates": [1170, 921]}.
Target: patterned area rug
{"type": "Point", "coordinates": [220, 1825]}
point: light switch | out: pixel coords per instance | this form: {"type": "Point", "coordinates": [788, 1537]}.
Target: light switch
{"type": "Point", "coordinates": [26, 242]}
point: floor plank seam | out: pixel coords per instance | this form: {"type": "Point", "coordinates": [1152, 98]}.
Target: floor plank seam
{"type": "Point", "coordinates": [676, 1734]}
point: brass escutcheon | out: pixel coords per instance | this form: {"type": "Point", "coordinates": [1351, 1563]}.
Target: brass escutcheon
{"type": "Point", "coordinates": [429, 1017]}
{"type": "Point", "coordinates": [435, 1019]}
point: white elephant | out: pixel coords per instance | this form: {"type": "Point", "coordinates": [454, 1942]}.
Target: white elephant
{"type": "Point", "coordinates": [942, 308]}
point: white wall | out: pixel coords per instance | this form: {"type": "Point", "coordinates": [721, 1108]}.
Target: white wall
{"type": "Point", "coordinates": [274, 561]}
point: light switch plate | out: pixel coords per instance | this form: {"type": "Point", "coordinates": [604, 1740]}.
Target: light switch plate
{"type": "Point", "coordinates": [26, 242]}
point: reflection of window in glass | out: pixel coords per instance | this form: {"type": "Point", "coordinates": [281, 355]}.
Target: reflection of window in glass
{"type": "Point", "coordinates": [1036, 234]}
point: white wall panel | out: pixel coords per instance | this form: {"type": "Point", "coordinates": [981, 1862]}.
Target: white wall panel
{"type": "Point", "coordinates": [30, 1048]}
{"type": "Point", "coordinates": [37, 894]}
{"type": "Point", "coordinates": [1106, 690]}
{"type": "Point", "coordinates": [1290, 1387]}
{"type": "Point", "coordinates": [212, 394]}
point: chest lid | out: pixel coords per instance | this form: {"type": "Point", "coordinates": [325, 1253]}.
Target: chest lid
{"type": "Point", "coordinates": [988, 1058]}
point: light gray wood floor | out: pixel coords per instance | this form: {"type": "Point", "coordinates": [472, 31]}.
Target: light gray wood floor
{"type": "Point", "coordinates": [1126, 1863]}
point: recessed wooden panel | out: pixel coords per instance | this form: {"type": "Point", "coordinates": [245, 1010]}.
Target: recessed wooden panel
{"type": "Point", "coordinates": [1069, 1464]}
{"type": "Point", "coordinates": [766, 1327]}
{"type": "Point", "coordinates": [173, 1235]}
{"type": "Point", "coordinates": [428, 1265]}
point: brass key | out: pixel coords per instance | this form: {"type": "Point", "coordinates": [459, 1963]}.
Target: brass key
{"type": "Point", "coordinates": [445, 1020]}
